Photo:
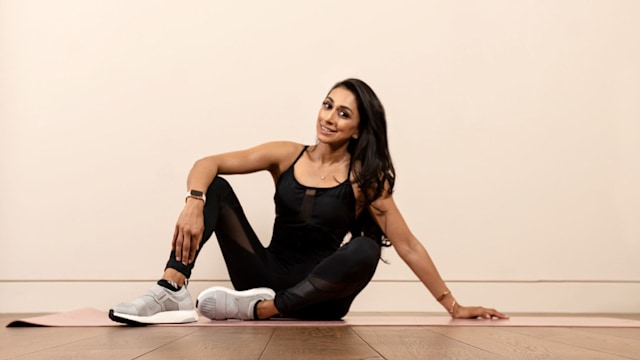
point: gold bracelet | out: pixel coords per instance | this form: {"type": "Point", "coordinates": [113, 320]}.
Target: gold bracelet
{"type": "Point", "coordinates": [444, 295]}
{"type": "Point", "coordinates": [453, 307]}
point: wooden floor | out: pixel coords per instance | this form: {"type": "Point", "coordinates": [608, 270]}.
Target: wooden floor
{"type": "Point", "coordinates": [334, 343]}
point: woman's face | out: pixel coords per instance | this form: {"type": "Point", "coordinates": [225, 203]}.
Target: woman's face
{"type": "Point", "coordinates": [338, 118]}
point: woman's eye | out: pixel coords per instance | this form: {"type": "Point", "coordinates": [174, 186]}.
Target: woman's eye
{"type": "Point", "coordinates": [326, 105]}
{"type": "Point", "coordinates": [343, 114]}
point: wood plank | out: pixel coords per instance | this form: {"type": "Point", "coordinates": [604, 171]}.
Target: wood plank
{"type": "Point", "coordinates": [507, 343]}
{"type": "Point", "coordinates": [218, 343]}
{"type": "Point", "coordinates": [22, 341]}
{"type": "Point", "coordinates": [310, 343]}
{"type": "Point", "coordinates": [585, 339]}
{"type": "Point", "coordinates": [413, 342]}
{"type": "Point", "coordinates": [30, 340]}
{"type": "Point", "coordinates": [117, 343]}
{"type": "Point", "coordinates": [618, 332]}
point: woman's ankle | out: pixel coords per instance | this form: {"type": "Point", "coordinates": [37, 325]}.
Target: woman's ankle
{"type": "Point", "coordinates": [174, 276]}
{"type": "Point", "coordinates": [266, 309]}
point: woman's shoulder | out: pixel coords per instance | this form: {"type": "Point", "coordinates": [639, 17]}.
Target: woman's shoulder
{"type": "Point", "coordinates": [283, 145]}
{"type": "Point", "coordinates": [282, 149]}
{"type": "Point", "coordinates": [281, 154]}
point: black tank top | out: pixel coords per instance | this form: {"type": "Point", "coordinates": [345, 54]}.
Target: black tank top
{"type": "Point", "coordinates": [311, 222]}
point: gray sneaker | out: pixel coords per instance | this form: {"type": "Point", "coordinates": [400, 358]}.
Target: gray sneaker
{"type": "Point", "coordinates": [158, 305]}
{"type": "Point", "coordinates": [220, 303]}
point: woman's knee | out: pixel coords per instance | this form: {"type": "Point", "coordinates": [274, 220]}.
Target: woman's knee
{"type": "Point", "coordinates": [219, 185]}
{"type": "Point", "coordinates": [365, 250]}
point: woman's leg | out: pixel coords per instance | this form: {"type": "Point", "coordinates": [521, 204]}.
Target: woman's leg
{"type": "Point", "coordinates": [247, 261]}
{"type": "Point", "coordinates": [327, 293]}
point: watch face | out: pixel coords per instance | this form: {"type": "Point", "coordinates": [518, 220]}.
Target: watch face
{"type": "Point", "coordinates": [196, 193]}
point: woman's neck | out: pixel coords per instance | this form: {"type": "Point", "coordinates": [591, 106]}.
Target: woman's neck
{"type": "Point", "coordinates": [326, 155]}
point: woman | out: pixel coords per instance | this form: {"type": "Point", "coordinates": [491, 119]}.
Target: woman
{"type": "Point", "coordinates": [342, 184]}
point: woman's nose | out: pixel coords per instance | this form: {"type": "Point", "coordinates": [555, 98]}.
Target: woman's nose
{"type": "Point", "coordinates": [328, 116]}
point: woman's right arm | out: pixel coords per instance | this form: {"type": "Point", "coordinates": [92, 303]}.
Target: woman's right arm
{"type": "Point", "coordinates": [272, 156]}
{"type": "Point", "coordinates": [269, 156]}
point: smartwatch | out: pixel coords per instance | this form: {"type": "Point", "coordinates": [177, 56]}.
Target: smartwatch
{"type": "Point", "coordinates": [196, 194]}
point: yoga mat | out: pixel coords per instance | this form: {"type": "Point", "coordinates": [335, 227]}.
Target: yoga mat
{"type": "Point", "coordinates": [93, 317]}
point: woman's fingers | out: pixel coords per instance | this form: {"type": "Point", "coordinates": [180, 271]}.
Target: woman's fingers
{"type": "Point", "coordinates": [186, 247]}
{"type": "Point", "coordinates": [491, 313]}
{"type": "Point", "coordinates": [498, 314]}
{"type": "Point", "coordinates": [187, 236]}
{"type": "Point", "coordinates": [175, 237]}
{"type": "Point", "coordinates": [178, 245]}
{"type": "Point", "coordinates": [480, 312]}
{"type": "Point", "coordinates": [195, 245]}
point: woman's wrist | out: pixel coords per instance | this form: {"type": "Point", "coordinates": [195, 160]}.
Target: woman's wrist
{"type": "Point", "coordinates": [196, 194]}
{"type": "Point", "coordinates": [194, 204]}
{"type": "Point", "coordinates": [447, 300]}
{"type": "Point", "coordinates": [443, 295]}
{"type": "Point", "coordinates": [453, 308]}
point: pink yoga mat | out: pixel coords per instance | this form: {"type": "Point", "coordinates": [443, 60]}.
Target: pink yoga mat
{"type": "Point", "coordinates": [94, 317]}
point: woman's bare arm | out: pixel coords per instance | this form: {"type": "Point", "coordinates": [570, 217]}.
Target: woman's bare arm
{"type": "Point", "coordinates": [414, 254]}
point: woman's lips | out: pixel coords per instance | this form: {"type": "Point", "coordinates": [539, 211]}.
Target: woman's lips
{"type": "Point", "coordinates": [327, 130]}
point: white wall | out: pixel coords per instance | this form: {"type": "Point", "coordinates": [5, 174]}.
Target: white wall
{"type": "Point", "coordinates": [514, 127]}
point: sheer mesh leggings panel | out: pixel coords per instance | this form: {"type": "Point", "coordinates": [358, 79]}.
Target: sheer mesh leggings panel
{"type": "Point", "coordinates": [245, 257]}
{"type": "Point", "coordinates": [327, 293]}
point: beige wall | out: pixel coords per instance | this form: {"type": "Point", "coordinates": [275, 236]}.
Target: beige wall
{"type": "Point", "coordinates": [514, 126]}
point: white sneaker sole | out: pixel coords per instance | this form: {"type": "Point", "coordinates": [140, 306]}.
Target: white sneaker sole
{"type": "Point", "coordinates": [203, 305]}
{"type": "Point", "coordinates": [164, 317]}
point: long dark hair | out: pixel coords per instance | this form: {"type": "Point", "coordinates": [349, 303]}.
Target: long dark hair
{"type": "Point", "coordinates": [370, 151]}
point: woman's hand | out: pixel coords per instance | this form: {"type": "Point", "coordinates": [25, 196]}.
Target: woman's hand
{"type": "Point", "coordinates": [188, 233]}
{"type": "Point", "coordinates": [473, 312]}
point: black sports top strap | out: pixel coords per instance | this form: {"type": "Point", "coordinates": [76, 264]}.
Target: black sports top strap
{"type": "Point", "coordinates": [300, 155]}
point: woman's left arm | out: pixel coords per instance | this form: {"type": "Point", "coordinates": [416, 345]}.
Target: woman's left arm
{"type": "Point", "coordinates": [414, 254]}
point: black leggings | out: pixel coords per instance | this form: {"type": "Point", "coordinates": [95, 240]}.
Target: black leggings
{"type": "Point", "coordinates": [322, 291]}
